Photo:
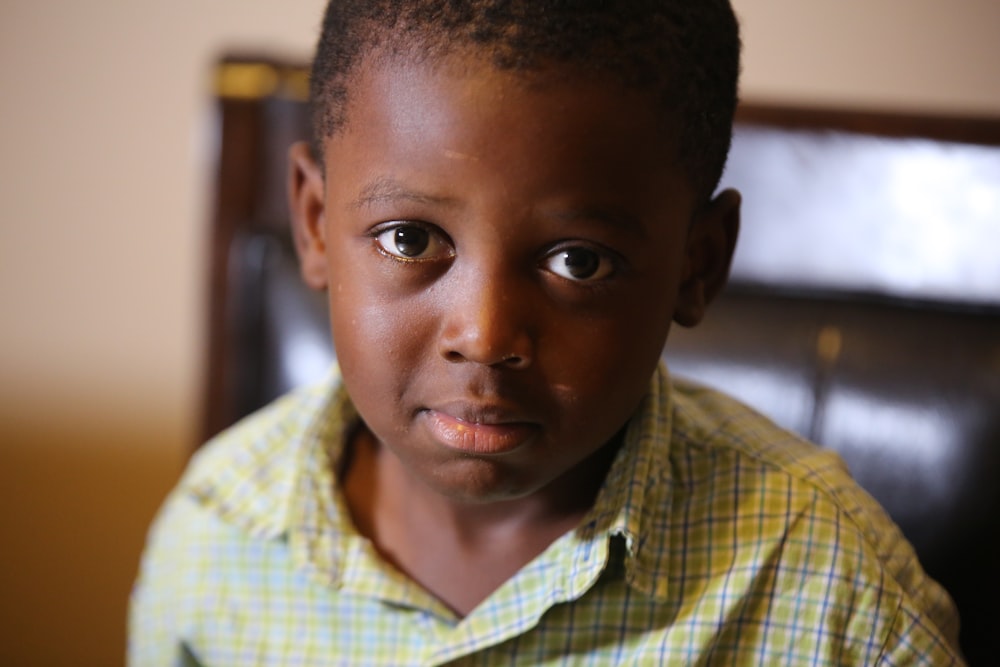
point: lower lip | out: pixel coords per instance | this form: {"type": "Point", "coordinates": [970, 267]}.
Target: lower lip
{"type": "Point", "coordinates": [477, 438]}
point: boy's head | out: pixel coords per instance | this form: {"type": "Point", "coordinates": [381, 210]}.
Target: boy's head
{"type": "Point", "coordinates": [682, 54]}
{"type": "Point", "coordinates": [509, 206]}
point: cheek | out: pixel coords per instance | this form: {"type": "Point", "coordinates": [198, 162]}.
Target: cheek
{"type": "Point", "coordinates": [605, 365]}
{"type": "Point", "coordinates": [380, 340]}
{"type": "Point", "coordinates": [628, 333]}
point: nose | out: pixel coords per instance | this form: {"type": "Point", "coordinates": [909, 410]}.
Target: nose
{"type": "Point", "coordinates": [487, 321]}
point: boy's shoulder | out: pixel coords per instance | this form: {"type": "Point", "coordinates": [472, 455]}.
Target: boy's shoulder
{"type": "Point", "coordinates": [722, 446]}
{"type": "Point", "coordinates": [246, 473]}
{"type": "Point", "coordinates": [708, 425]}
{"type": "Point", "coordinates": [742, 478]}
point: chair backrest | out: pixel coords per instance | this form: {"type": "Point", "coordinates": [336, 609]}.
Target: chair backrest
{"type": "Point", "coordinates": [863, 310]}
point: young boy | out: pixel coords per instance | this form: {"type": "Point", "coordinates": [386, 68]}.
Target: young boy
{"type": "Point", "coordinates": [508, 203]}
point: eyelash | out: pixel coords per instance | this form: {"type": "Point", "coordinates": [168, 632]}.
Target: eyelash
{"type": "Point", "coordinates": [610, 263]}
{"type": "Point", "coordinates": [434, 234]}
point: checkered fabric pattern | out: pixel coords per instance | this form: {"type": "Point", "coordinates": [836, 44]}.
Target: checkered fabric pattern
{"type": "Point", "coordinates": [717, 539]}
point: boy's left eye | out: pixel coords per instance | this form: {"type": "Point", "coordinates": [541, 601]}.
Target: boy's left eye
{"type": "Point", "coordinates": [412, 241]}
{"type": "Point", "coordinates": [579, 264]}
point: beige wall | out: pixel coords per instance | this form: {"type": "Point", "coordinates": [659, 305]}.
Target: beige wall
{"type": "Point", "coordinates": [925, 55]}
{"type": "Point", "coordinates": [105, 139]}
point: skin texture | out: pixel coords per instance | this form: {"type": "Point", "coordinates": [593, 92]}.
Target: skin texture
{"type": "Point", "coordinates": [504, 257]}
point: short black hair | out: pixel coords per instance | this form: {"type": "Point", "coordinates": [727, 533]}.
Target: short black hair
{"type": "Point", "coordinates": [684, 53]}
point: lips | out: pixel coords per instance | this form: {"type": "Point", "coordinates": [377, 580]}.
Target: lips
{"type": "Point", "coordinates": [478, 431]}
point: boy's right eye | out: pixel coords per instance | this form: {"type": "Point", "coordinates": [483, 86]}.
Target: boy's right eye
{"type": "Point", "coordinates": [413, 242]}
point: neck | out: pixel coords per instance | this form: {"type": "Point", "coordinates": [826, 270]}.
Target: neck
{"type": "Point", "coordinates": [380, 491]}
{"type": "Point", "coordinates": [457, 550]}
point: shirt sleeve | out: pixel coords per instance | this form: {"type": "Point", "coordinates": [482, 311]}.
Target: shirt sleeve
{"type": "Point", "coordinates": [163, 591]}
{"type": "Point", "coordinates": [912, 640]}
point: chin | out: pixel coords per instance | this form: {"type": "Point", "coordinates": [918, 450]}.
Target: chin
{"type": "Point", "coordinates": [473, 481]}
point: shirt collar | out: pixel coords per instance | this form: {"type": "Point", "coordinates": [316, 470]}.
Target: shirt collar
{"type": "Point", "coordinates": [249, 474]}
{"type": "Point", "coordinates": [637, 492]}
{"type": "Point", "coordinates": [250, 483]}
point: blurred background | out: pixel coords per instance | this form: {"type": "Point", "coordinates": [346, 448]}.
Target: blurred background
{"type": "Point", "coordinates": [106, 148]}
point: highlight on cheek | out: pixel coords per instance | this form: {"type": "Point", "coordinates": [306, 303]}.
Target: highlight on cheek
{"type": "Point", "coordinates": [414, 242]}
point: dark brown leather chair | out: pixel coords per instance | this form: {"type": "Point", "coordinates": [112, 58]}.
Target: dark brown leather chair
{"type": "Point", "coordinates": [863, 310]}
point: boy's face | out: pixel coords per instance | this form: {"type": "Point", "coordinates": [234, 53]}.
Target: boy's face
{"type": "Point", "coordinates": [503, 256]}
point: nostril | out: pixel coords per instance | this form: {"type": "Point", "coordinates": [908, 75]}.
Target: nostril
{"type": "Point", "coordinates": [514, 361]}
{"type": "Point", "coordinates": [453, 356]}
{"type": "Point", "coordinates": [508, 360]}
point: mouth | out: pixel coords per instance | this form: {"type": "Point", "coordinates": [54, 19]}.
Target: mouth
{"type": "Point", "coordinates": [482, 432]}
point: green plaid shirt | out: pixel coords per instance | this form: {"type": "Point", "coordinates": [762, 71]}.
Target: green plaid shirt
{"type": "Point", "coordinates": [717, 539]}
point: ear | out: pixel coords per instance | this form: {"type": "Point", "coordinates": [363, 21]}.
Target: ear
{"type": "Point", "coordinates": [306, 195]}
{"type": "Point", "coordinates": [710, 246]}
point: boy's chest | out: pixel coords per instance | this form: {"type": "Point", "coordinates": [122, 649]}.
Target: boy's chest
{"type": "Point", "coordinates": [531, 620]}
{"type": "Point", "coordinates": [463, 576]}
{"type": "Point", "coordinates": [264, 611]}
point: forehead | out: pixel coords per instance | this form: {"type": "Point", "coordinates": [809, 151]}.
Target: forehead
{"type": "Point", "coordinates": [555, 123]}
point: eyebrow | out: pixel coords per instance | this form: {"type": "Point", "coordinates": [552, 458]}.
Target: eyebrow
{"type": "Point", "coordinates": [608, 217]}
{"type": "Point", "coordinates": [386, 189]}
